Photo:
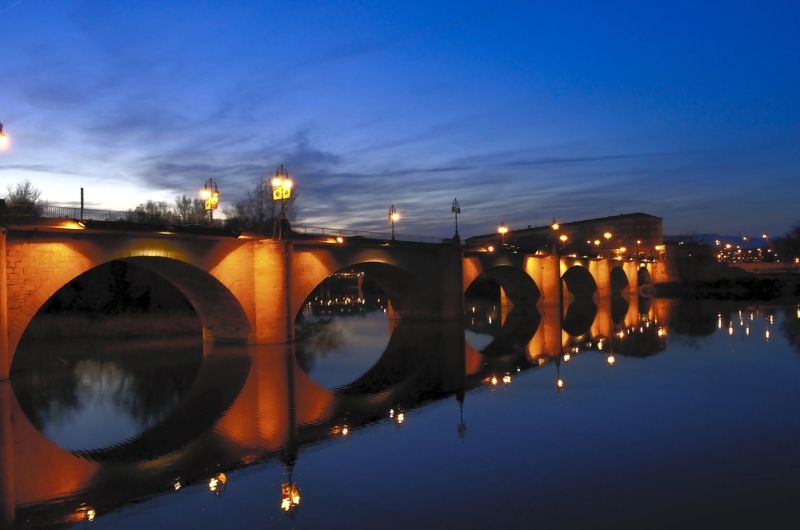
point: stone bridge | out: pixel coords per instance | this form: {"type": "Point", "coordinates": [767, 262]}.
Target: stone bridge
{"type": "Point", "coordinates": [250, 289]}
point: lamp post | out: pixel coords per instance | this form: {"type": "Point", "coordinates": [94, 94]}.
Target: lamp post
{"type": "Point", "coordinates": [393, 216]}
{"type": "Point", "coordinates": [455, 210]}
{"type": "Point", "coordinates": [210, 194]}
{"type": "Point", "coordinates": [607, 236]}
{"type": "Point", "coordinates": [4, 141]}
{"type": "Point", "coordinates": [502, 230]}
{"type": "Point", "coordinates": [281, 191]}
{"type": "Point", "coordinates": [557, 265]}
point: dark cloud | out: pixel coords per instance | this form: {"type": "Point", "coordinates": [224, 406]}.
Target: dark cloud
{"type": "Point", "coordinates": [35, 168]}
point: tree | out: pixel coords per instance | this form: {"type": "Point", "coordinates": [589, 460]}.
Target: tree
{"type": "Point", "coordinates": [158, 212]}
{"type": "Point", "coordinates": [257, 211]}
{"type": "Point", "coordinates": [789, 246]}
{"type": "Point", "coordinates": [24, 199]}
{"type": "Point", "coordinates": [189, 210]}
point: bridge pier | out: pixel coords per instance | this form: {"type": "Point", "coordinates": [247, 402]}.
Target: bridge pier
{"type": "Point", "coordinates": [601, 272]}
{"type": "Point", "coordinates": [273, 288]}
{"type": "Point", "coordinates": [8, 498]}
{"type": "Point", "coordinates": [5, 354]}
{"type": "Point", "coordinates": [546, 273]}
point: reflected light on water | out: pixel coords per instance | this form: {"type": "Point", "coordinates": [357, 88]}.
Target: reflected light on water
{"type": "Point", "coordinates": [290, 496]}
{"type": "Point", "coordinates": [217, 483]}
{"type": "Point", "coordinates": [611, 360]}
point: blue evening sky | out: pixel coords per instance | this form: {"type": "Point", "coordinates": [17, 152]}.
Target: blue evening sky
{"type": "Point", "coordinates": [523, 110]}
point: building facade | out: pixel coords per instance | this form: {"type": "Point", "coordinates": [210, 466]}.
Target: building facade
{"type": "Point", "coordinates": [633, 234]}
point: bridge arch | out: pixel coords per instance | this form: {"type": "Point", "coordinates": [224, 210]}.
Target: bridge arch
{"type": "Point", "coordinates": [579, 282]}
{"type": "Point", "coordinates": [409, 282]}
{"type": "Point", "coordinates": [643, 276]}
{"type": "Point", "coordinates": [400, 286]}
{"type": "Point", "coordinates": [619, 280]}
{"type": "Point", "coordinates": [221, 315]}
{"type": "Point", "coordinates": [518, 286]}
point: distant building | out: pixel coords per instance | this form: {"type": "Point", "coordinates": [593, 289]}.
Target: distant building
{"type": "Point", "coordinates": [631, 234]}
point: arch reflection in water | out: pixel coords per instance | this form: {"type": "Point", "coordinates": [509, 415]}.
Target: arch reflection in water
{"type": "Point", "coordinates": [90, 393]}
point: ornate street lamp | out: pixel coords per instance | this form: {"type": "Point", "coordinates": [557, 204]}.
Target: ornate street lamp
{"type": "Point", "coordinates": [281, 191]}
{"type": "Point", "coordinates": [210, 194]}
{"type": "Point", "coordinates": [393, 217]}
{"type": "Point", "coordinates": [456, 209]}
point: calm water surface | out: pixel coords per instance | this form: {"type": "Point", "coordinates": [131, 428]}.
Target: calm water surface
{"type": "Point", "coordinates": [634, 414]}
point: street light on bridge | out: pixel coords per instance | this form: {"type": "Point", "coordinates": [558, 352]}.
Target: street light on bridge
{"type": "Point", "coordinates": [502, 230]}
{"type": "Point", "coordinates": [607, 236]}
{"type": "Point", "coordinates": [281, 191]}
{"type": "Point", "coordinates": [393, 217]}
{"type": "Point", "coordinates": [455, 210]}
{"type": "Point", "coordinates": [210, 194]}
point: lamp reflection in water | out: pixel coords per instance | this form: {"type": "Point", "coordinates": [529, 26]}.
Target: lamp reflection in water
{"type": "Point", "coordinates": [462, 426]}
{"type": "Point", "coordinates": [290, 495]}
{"type": "Point", "coordinates": [397, 416]}
{"type": "Point", "coordinates": [216, 484]}
{"type": "Point", "coordinates": [559, 380]}
{"type": "Point", "coordinates": [611, 359]}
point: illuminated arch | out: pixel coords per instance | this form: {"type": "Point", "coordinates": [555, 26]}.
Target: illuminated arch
{"type": "Point", "coordinates": [619, 280]}
{"type": "Point", "coordinates": [643, 276]}
{"type": "Point", "coordinates": [220, 313]}
{"type": "Point", "coordinates": [579, 282]}
{"type": "Point", "coordinates": [519, 287]}
{"type": "Point", "coordinates": [401, 287]}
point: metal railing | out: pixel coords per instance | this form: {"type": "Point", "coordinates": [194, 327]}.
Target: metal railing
{"type": "Point", "coordinates": [89, 214]}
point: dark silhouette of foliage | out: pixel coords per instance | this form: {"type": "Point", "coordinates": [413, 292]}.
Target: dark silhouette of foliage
{"type": "Point", "coordinates": [24, 199]}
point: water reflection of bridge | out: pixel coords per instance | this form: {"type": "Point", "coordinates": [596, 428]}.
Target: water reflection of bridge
{"type": "Point", "coordinates": [248, 404]}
